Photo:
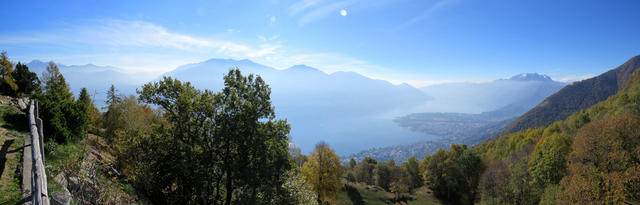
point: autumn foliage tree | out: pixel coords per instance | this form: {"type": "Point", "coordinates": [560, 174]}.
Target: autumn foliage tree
{"type": "Point", "coordinates": [604, 164]}
{"type": "Point", "coordinates": [322, 170]}
{"type": "Point", "coordinates": [7, 85]}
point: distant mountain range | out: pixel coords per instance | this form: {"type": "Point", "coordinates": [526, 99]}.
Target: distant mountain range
{"type": "Point", "coordinates": [97, 79]}
{"type": "Point", "coordinates": [515, 95]}
{"type": "Point", "coordinates": [570, 99]}
{"type": "Point", "coordinates": [353, 112]}
{"type": "Point", "coordinates": [577, 96]}
{"type": "Point", "coordinates": [349, 111]}
{"type": "Point", "coordinates": [525, 89]}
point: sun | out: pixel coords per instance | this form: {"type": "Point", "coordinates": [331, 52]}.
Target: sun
{"type": "Point", "coordinates": [343, 12]}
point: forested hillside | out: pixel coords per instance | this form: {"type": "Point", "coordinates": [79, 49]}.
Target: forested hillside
{"type": "Point", "coordinates": [575, 97]}
{"type": "Point", "coordinates": [591, 157]}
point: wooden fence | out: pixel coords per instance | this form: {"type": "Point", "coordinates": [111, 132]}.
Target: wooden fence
{"type": "Point", "coordinates": [38, 175]}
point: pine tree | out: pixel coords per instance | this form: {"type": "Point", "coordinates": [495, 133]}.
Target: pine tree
{"type": "Point", "coordinates": [86, 104]}
{"type": "Point", "coordinates": [64, 119]}
{"type": "Point", "coordinates": [111, 119]}
{"type": "Point", "coordinates": [26, 80]}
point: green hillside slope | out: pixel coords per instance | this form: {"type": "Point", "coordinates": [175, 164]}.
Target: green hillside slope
{"type": "Point", "coordinates": [591, 157]}
{"type": "Point", "coordinates": [575, 97]}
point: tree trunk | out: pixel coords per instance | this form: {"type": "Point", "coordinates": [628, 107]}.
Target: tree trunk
{"type": "Point", "coordinates": [229, 189]}
{"type": "Point", "coordinates": [253, 195]}
{"type": "Point", "coordinates": [217, 198]}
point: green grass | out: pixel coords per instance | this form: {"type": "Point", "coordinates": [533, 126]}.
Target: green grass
{"type": "Point", "coordinates": [373, 195]}
{"type": "Point", "coordinates": [343, 198]}
{"type": "Point", "coordinates": [13, 128]}
{"type": "Point", "coordinates": [10, 186]}
{"type": "Point", "coordinates": [423, 198]}
{"type": "Point", "coordinates": [58, 157]}
{"type": "Point", "coordinates": [14, 120]}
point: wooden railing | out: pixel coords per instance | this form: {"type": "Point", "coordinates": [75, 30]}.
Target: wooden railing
{"type": "Point", "coordinates": [39, 194]}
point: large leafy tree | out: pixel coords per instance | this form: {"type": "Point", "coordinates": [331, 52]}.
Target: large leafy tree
{"type": "Point", "coordinates": [383, 177]}
{"type": "Point", "coordinates": [412, 168]}
{"type": "Point", "coordinates": [323, 172]}
{"type": "Point", "coordinates": [548, 164]}
{"type": "Point", "coordinates": [254, 144]}
{"type": "Point", "coordinates": [217, 148]}
{"type": "Point", "coordinates": [26, 80]}
{"type": "Point", "coordinates": [364, 171]}
{"type": "Point", "coordinates": [453, 175]}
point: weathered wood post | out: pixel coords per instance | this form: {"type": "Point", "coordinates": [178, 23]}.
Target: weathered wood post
{"type": "Point", "coordinates": [38, 175]}
{"type": "Point", "coordinates": [40, 130]}
{"type": "Point", "coordinates": [39, 125]}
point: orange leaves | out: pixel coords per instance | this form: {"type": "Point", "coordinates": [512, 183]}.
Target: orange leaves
{"type": "Point", "coordinates": [603, 166]}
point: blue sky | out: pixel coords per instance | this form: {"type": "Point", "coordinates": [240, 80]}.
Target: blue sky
{"type": "Point", "coordinates": [415, 41]}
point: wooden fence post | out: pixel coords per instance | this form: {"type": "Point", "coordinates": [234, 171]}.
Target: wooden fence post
{"type": "Point", "coordinates": [39, 194]}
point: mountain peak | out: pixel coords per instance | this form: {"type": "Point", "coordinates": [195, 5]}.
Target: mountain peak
{"type": "Point", "coordinates": [304, 68]}
{"type": "Point", "coordinates": [531, 77]}
{"type": "Point", "coordinates": [227, 60]}
{"type": "Point", "coordinates": [36, 61]}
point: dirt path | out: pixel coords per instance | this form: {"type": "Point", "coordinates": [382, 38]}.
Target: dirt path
{"type": "Point", "coordinates": [26, 170]}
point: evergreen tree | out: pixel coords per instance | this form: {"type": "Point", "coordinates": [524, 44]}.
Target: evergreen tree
{"type": "Point", "coordinates": [111, 119]}
{"type": "Point", "coordinates": [26, 80]}
{"type": "Point", "coordinates": [113, 97]}
{"type": "Point", "coordinates": [86, 103]}
{"type": "Point", "coordinates": [64, 119]}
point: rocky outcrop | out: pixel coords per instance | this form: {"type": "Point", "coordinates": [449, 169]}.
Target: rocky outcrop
{"type": "Point", "coordinates": [61, 197]}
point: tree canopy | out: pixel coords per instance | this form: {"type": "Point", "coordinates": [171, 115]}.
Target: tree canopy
{"type": "Point", "coordinates": [7, 85]}
{"type": "Point", "coordinates": [453, 175]}
{"type": "Point", "coordinates": [26, 80]}
{"type": "Point", "coordinates": [323, 172]}
{"type": "Point", "coordinates": [215, 148]}
{"type": "Point", "coordinates": [65, 119]}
